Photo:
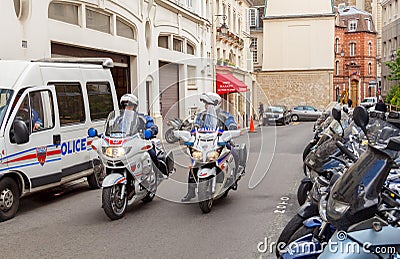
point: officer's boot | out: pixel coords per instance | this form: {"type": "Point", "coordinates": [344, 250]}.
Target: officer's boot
{"type": "Point", "coordinates": [191, 193]}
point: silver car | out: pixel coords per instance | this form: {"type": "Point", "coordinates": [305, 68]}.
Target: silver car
{"type": "Point", "coordinates": [305, 112]}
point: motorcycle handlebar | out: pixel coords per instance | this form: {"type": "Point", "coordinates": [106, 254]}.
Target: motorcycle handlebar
{"type": "Point", "coordinates": [346, 151]}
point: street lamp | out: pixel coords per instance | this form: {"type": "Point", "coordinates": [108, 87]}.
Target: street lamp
{"type": "Point", "coordinates": [342, 53]}
{"type": "Point", "coordinates": [252, 46]}
{"type": "Point", "coordinates": [223, 28]}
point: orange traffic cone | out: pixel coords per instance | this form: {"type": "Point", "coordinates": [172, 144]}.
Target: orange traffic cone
{"type": "Point", "coordinates": [252, 130]}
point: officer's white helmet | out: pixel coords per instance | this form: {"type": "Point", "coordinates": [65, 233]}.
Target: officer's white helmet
{"type": "Point", "coordinates": [211, 98]}
{"type": "Point", "coordinates": [129, 100]}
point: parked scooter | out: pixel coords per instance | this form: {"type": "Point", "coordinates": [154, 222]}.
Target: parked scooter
{"type": "Point", "coordinates": [308, 241]}
{"type": "Point", "coordinates": [130, 173]}
{"type": "Point", "coordinates": [213, 164]}
{"type": "Point", "coordinates": [365, 214]}
{"type": "Point", "coordinates": [178, 124]}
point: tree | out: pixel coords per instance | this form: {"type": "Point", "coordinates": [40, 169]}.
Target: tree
{"type": "Point", "coordinates": [393, 96]}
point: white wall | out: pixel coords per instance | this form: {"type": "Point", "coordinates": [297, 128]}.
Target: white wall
{"type": "Point", "coordinates": [298, 7]}
{"type": "Point", "coordinates": [291, 44]}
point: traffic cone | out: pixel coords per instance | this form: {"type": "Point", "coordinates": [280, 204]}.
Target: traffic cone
{"type": "Point", "coordinates": [252, 130]}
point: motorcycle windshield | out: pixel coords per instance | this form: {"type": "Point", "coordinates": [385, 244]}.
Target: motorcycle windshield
{"type": "Point", "coordinates": [358, 189]}
{"type": "Point", "coordinates": [379, 131]}
{"type": "Point", "coordinates": [211, 118]}
{"type": "Point", "coordinates": [122, 124]}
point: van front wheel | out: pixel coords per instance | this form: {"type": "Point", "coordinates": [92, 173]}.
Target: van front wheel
{"type": "Point", "coordinates": [9, 198]}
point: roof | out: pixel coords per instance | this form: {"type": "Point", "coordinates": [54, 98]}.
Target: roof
{"type": "Point", "coordinates": [348, 13]}
{"type": "Point", "coordinates": [351, 10]}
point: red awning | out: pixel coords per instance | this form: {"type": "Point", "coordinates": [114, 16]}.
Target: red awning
{"type": "Point", "coordinates": [227, 83]}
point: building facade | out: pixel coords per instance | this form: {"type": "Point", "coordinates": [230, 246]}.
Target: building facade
{"type": "Point", "coordinates": [297, 58]}
{"type": "Point", "coordinates": [234, 68]}
{"type": "Point", "coordinates": [160, 48]}
{"type": "Point", "coordinates": [355, 74]}
{"type": "Point", "coordinates": [390, 39]}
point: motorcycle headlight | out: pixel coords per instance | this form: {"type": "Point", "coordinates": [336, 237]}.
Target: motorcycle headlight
{"type": "Point", "coordinates": [212, 155]}
{"type": "Point", "coordinates": [197, 155]}
{"type": "Point", "coordinates": [336, 209]}
{"type": "Point", "coordinates": [115, 152]}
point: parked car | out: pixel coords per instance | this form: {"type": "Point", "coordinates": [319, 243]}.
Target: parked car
{"type": "Point", "coordinates": [276, 114]}
{"type": "Point", "coordinates": [369, 102]}
{"type": "Point", "coordinates": [305, 112]}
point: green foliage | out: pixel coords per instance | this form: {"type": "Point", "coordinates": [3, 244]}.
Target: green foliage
{"type": "Point", "coordinates": [393, 96]}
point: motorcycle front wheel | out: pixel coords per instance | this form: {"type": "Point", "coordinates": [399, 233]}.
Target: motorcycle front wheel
{"type": "Point", "coordinates": [205, 198]}
{"type": "Point", "coordinates": [170, 137]}
{"type": "Point", "coordinates": [113, 205]}
{"type": "Point", "coordinates": [303, 191]}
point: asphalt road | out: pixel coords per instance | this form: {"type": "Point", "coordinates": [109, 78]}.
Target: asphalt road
{"type": "Point", "coordinates": [70, 223]}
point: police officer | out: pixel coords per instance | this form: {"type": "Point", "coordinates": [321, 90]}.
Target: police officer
{"type": "Point", "coordinates": [146, 123]}
{"type": "Point", "coordinates": [211, 117]}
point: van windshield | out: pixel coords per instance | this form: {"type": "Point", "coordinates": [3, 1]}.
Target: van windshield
{"type": "Point", "coordinates": [5, 97]}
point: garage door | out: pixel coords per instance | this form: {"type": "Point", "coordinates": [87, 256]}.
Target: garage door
{"type": "Point", "coordinates": [169, 90]}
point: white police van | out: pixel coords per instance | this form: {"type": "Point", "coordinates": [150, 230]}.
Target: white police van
{"type": "Point", "coordinates": [46, 108]}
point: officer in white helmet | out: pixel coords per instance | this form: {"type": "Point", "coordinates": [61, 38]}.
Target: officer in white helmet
{"type": "Point", "coordinates": [212, 117]}
{"type": "Point", "coordinates": [146, 124]}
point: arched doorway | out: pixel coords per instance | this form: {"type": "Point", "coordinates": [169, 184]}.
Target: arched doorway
{"type": "Point", "coordinates": [354, 92]}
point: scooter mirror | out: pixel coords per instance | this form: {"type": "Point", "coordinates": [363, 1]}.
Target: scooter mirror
{"type": "Point", "coordinates": [361, 117]}
{"type": "Point", "coordinates": [337, 115]}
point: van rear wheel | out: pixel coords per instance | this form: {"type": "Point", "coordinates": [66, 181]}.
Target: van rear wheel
{"type": "Point", "coordinates": [9, 198]}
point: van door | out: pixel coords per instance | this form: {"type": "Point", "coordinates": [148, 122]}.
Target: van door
{"type": "Point", "coordinates": [40, 157]}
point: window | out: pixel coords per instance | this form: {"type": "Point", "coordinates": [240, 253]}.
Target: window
{"type": "Point", "coordinates": [70, 103]}
{"type": "Point", "coordinates": [352, 25]}
{"type": "Point", "coordinates": [163, 42]}
{"type": "Point", "coordinates": [255, 52]}
{"type": "Point", "coordinates": [337, 68]}
{"type": "Point", "coordinates": [191, 72]}
{"type": "Point", "coordinates": [189, 49]}
{"type": "Point", "coordinates": [125, 30]}
{"type": "Point", "coordinates": [369, 68]}
{"type": "Point", "coordinates": [100, 100]}
{"type": "Point", "coordinates": [368, 24]}
{"type": "Point", "coordinates": [64, 12]}
{"type": "Point", "coordinates": [178, 45]}
{"type": "Point", "coordinates": [337, 45]}
{"type": "Point", "coordinates": [98, 21]}
{"type": "Point", "coordinates": [253, 17]}
{"type": "Point", "coordinates": [352, 49]}
{"type": "Point", "coordinates": [369, 48]}
{"type": "Point", "coordinates": [189, 4]}
{"type": "Point", "coordinates": [37, 111]}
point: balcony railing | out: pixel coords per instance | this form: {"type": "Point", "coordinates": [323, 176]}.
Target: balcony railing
{"type": "Point", "coordinates": [231, 38]}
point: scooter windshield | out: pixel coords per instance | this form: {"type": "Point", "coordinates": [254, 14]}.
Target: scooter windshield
{"type": "Point", "coordinates": [122, 124]}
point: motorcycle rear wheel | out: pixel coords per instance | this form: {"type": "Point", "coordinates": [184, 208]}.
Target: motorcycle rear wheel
{"type": "Point", "coordinates": [113, 206]}
{"type": "Point", "coordinates": [205, 199]}
{"type": "Point", "coordinates": [169, 136]}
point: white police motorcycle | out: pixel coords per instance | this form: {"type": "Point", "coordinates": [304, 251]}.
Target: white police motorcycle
{"type": "Point", "coordinates": [213, 164]}
{"type": "Point", "coordinates": [130, 174]}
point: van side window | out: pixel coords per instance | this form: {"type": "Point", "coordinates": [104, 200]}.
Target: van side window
{"type": "Point", "coordinates": [70, 103]}
{"type": "Point", "coordinates": [37, 111]}
{"type": "Point", "coordinates": [100, 100]}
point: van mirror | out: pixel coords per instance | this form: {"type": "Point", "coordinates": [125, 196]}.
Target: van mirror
{"type": "Point", "coordinates": [337, 115]}
{"type": "Point", "coordinates": [92, 132]}
{"type": "Point", "coordinates": [21, 132]}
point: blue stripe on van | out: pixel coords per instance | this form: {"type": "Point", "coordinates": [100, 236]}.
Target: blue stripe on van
{"type": "Point", "coordinates": [25, 151]}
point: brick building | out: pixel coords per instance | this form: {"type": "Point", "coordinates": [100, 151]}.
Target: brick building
{"type": "Point", "coordinates": [355, 74]}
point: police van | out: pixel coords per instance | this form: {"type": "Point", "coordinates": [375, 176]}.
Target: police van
{"type": "Point", "coordinates": [46, 108]}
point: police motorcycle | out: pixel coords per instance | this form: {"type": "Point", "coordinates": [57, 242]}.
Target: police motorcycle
{"type": "Point", "coordinates": [309, 240]}
{"type": "Point", "coordinates": [213, 165]}
{"type": "Point", "coordinates": [131, 175]}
